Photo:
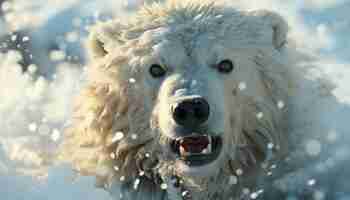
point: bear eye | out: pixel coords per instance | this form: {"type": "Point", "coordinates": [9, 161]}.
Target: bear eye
{"type": "Point", "coordinates": [225, 66]}
{"type": "Point", "coordinates": [157, 71]}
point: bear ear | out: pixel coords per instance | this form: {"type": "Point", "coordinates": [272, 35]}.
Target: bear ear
{"type": "Point", "coordinates": [278, 25]}
{"type": "Point", "coordinates": [103, 38]}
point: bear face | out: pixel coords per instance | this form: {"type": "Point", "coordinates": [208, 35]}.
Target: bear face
{"type": "Point", "coordinates": [197, 90]}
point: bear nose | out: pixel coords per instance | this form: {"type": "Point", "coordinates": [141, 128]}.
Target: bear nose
{"type": "Point", "coordinates": [191, 113]}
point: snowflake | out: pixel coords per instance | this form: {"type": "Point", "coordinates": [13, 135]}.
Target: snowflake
{"type": "Point", "coordinates": [55, 135]}
{"type": "Point", "coordinates": [270, 145]}
{"type": "Point", "coordinates": [254, 195]}
{"type": "Point", "coordinates": [242, 86]}
{"type": "Point", "coordinates": [319, 195]}
{"type": "Point", "coordinates": [14, 37]}
{"type": "Point", "coordinates": [6, 6]}
{"type": "Point", "coordinates": [246, 191]}
{"type": "Point", "coordinates": [122, 178]}
{"type": "Point", "coordinates": [32, 69]}
{"type": "Point", "coordinates": [116, 168]}
{"type": "Point", "coordinates": [233, 180]}
{"type": "Point", "coordinates": [311, 182]}
{"type": "Point", "coordinates": [117, 136]}
{"type": "Point", "coordinates": [136, 183]}
{"type": "Point", "coordinates": [184, 193]}
{"type": "Point", "coordinates": [193, 83]}
{"type": "Point", "coordinates": [332, 136]}
{"type": "Point", "coordinates": [25, 39]}
{"type": "Point", "coordinates": [163, 186]}
{"type": "Point", "coordinates": [132, 80]}
{"type": "Point", "coordinates": [239, 172]}
{"type": "Point", "coordinates": [260, 115]}
{"type": "Point", "coordinates": [280, 104]}
{"type": "Point", "coordinates": [32, 127]}
{"type": "Point", "coordinates": [72, 37]}
{"type": "Point", "coordinates": [313, 148]}
{"type": "Point", "coordinates": [57, 55]}
{"type": "Point", "coordinates": [133, 136]}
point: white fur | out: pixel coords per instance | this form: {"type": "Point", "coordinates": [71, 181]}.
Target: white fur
{"type": "Point", "coordinates": [189, 38]}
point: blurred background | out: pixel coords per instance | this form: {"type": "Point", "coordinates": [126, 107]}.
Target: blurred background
{"type": "Point", "coordinates": [42, 62]}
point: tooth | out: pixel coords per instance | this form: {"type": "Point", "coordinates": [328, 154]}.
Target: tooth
{"type": "Point", "coordinates": [205, 151]}
{"type": "Point", "coordinates": [208, 149]}
{"type": "Point", "coordinates": [183, 152]}
{"type": "Point", "coordinates": [210, 145]}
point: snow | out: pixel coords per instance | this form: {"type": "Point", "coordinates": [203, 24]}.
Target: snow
{"type": "Point", "coordinates": [233, 180]}
{"type": "Point", "coordinates": [280, 104]}
{"type": "Point", "coordinates": [239, 172]}
{"type": "Point", "coordinates": [313, 147]}
{"type": "Point", "coordinates": [136, 183]}
{"type": "Point", "coordinates": [117, 136]}
{"type": "Point", "coordinates": [242, 86]}
{"type": "Point", "coordinates": [260, 115]}
{"type": "Point", "coordinates": [35, 106]}
{"type": "Point", "coordinates": [163, 186]}
{"type": "Point", "coordinates": [133, 136]}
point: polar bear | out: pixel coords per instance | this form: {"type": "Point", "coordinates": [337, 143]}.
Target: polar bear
{"type": "Point", "coordinates": [186, 100]}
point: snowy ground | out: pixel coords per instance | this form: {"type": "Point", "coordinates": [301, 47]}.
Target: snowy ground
{"type": "Point", "coordinates": [35, 106]}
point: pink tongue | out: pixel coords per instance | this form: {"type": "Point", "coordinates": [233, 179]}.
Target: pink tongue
{"type": "Point", "coordinates": [195, 144]}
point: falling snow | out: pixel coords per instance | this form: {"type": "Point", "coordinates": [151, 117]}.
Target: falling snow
{"type": "Point", "coordinates": [116, 168]}
{"type": "Point", "coordinates": [280, 104]}
{"type": "Point", "coordinates": [136, 183]}
{"type": "Point", "coordinates": [38, 104]}
{"type": "Point", "coordinates": [25, 39]}
{"type": "Point", "coordinates": [254, 195]}
{"type": "Point", "coordinates": [14, 37]}
{"type": "Point", "coordinates": [270, 145]}
{"type": "Point", "coordinates": [32, 127]}
{"type": "Point", "coordinates": [313, 147]}
{"type": "Point", "coordinates": [193, 83]}
{"type": "Point", "coordinates": [260, 115]}
{"type": "Point", "coordinates": [246, 191]}
{"type": "Point", "coordinates": [32, 69]}
{"type": "Point", "coordinates": [55, 136]}
{"type": "Point", "coordinates": [163, 186]}
{"type": "Point", "coordinates": [132, 80]}
{"type": "Point", "coordinates": [242, 86]}
{"type": "Point", "coordinates": [233, 180]}
{"type": "Point", "coordinates": [133, 136]}
{"type": "Point", "coordinates": [239, 172]}
{"type": "Point", "coordinates": [118, 136]}
{"type": "Point", "coordinates": [185, 193]}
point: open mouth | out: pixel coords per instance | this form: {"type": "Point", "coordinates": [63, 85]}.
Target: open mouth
{"type": "Point", "coordinates": [197, 150]}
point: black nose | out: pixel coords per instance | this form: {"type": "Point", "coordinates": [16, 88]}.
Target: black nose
{"type": "Point", "coordinates": [191, 112]}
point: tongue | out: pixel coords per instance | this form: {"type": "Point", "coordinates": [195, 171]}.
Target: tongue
{"type": "Point", "coordinates": [195, 144]}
